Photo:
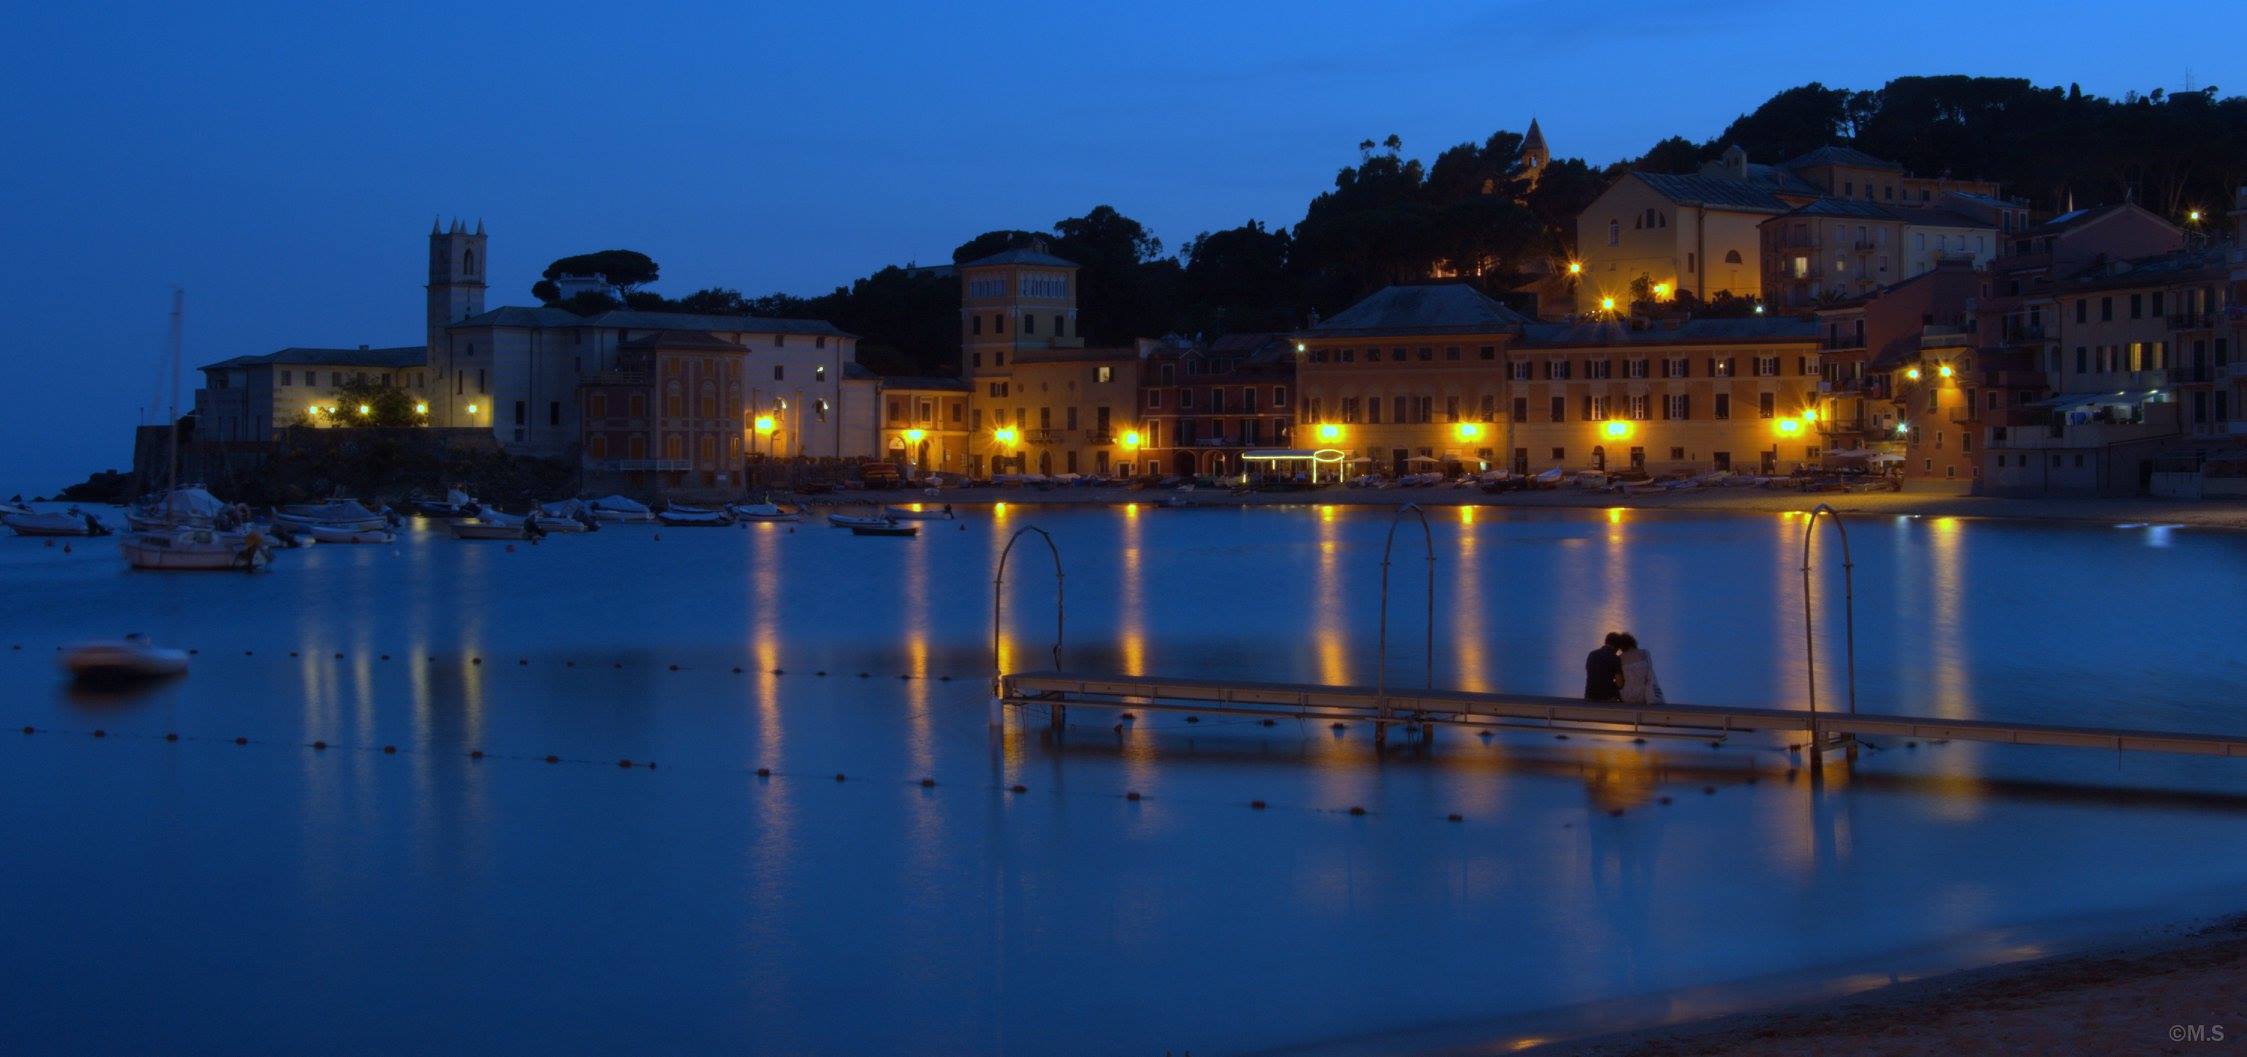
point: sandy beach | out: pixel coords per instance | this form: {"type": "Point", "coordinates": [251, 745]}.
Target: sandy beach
{"type": "Point", "coordinates": [2174, 996]}
{"type": "Point", "coordinates": [1913, 500]}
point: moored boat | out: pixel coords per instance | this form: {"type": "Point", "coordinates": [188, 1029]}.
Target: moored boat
{"type": "Point", "coordinates": [899, 513]}
{"type": "Point", "coordinates": [347, 534]}
{"type": "Point", "coordinates": [71, 522]}
{"type": "Point", "coordinates": [455, 504]}
{"type": "Point", "coordinates": [183, 547]}
{"type": "Point", "coordinates": [693, 517]}
{"type": "Point", "coordinates": [333, 514]}
{"type": "Point", "coordinates": [491, 525]}
{"type": "Point", "coordinates": [765, 511]}
{"type": "Point", "coordinates": [854, 521]}
{"type": "Point", "coordinates": [122, 660]}
{"type": "Point", "coordinates": [569, 515]}
{"type": "Point", "coordinates": [885, 529]}
{"type": "Point", "coordinates": [616, 508]}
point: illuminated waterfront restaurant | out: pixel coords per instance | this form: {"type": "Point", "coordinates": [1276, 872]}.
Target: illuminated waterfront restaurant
{"type": "Point", "coordinates": [1439, 377]}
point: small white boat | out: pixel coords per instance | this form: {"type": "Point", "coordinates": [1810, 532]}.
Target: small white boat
{"type": "Point", "coordinates": [618, 509]}
{"type": "Point", "coordinates": [455, 504]}
{"type": "Point", "coordinates": [885, 529]}
{"type": "Point", "coordinates": [71, 522]}
{"type": "Point", "coordinates": [347, 534]}
{"type": "Point", "coordinates": [122, 660]}
{"type": "Point", "coordinates": [762, 512]}
{"type": "Point", "coordinates": [181, 547]}
{"type": "Point", "coordinates": [899, 513]}
{"type": "Point", "coordinates": [693, 517]}
{"type": "Point", "coordinates": [491, 525]}
{"type": "Point", "coordinates": [334, 514]}
{"type": "Point", "coordinates": [569, 515]}
{"type": "Point", "coordinates": [855, 522]}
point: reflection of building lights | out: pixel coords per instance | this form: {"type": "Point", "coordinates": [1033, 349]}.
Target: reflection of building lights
{"type": "Point", "coordinates": [1329, 431]}
{"type": "Point", "coordinates": [1615, 430]}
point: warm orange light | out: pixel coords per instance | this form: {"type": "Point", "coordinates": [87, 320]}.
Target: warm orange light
{"type": "Point", "coordinates": [762, 424]}
{"type": "Point", "coordinates": [915, 436]}
{"type": "Point", "coordinates": [1468, 430]}
{"type": "Point", "coordinates": [1131, 438]}
{"type": "Point", "coordinates": [1788, 427]}
{"type": "Point", "coordinates": [1810, 414]}
{"type": "Point", "coordinates": [421, 408]}
{"type": "Point", "coordinates": [1329, 431]}
{"type": "Point", "coordinates": [1005, 435]}
{"type": "Point", "coordinates": [1911, 373]}
{"type": "Point", "coordinates": [1615, 430]}
{"type": "Point", "coordinates": [1607, 304]}
{"type": "Point", "coordinates": [1661, 291]}
{"type": "Point", "coordinates": [471, 409]}
{"type": "Point", "coordinates": [1576, 267]}
{"type": "Point", "coordinates": [1944, 370]}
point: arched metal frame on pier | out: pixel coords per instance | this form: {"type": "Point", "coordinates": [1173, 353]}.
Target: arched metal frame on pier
{"type": "Point", "coordinates": [998, 610]}
{"type": "Point", "coordinates": [1381, 665]}
{"type": "Point", "coordinates": [1849, 622]}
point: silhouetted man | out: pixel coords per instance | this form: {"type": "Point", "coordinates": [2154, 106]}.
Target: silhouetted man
{"type": "Point", "coordinates": [1603, 671]}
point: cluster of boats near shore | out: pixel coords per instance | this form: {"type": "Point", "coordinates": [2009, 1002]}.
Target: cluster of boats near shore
{"type": "Point", "coordinates": [189, 528]}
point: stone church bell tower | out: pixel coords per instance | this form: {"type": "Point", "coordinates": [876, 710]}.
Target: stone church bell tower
{"type": "Point", "coordinates": [456, 279]}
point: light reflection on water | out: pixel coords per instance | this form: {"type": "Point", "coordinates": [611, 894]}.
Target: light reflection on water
{"type": "Point", "coordinates": [721, 908]}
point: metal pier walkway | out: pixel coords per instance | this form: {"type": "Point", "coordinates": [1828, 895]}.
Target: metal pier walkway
{"type": "Point", "coordinates": [1425, 708]}
{"type": "Point", "coordinates": [1420, 710]}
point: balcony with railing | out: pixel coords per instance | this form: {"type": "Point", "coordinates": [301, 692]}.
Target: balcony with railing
{"type": "Point", "coordinates": [2022, 331]}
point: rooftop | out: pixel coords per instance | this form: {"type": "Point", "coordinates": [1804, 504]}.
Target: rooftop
{"type": "Point", "coordinates": [1422, 308]}
{"type": "Point", "coordinates": [1835, 154]}
{"type": "Point", "coordinates": [1729, 192]}
{"type": "Point", "coordinates": [905, 381]}
{"type": "Point", "coordinates": [1687, 332]}
{"type": "Point", "coordinates": [1022, 256]}
{"type": "Point", "coordinates": [396, 356]}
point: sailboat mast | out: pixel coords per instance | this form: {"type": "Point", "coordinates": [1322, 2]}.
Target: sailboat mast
{"type": "Point", "coordinates": [179, 301]}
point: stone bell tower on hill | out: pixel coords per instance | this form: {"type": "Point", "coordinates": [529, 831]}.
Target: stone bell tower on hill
{"type": "Point", "coordinates": [456, 279]}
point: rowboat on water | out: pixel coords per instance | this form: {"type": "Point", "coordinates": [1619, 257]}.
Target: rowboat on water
{"type": "Point", "coordinates": [129, 659]}
{"type": "Point", "coordinates": [766, 511]}
{"type": "Point", "coordinates": [855, 522]}
{"type": "Point", "coordinates": [693, 517]}
{"type": "Point", "coordinates": [885, 529]}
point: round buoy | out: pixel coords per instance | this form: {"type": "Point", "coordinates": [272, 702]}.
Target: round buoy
{"type": "Point", "coordinates": [100, 733]}
{"type": "Point", "coordinates": [1456, 817]}
{"type": "Point", "coordinates": [1269, 722]}
{"type": "Point", "coordinates": [764, 772]}
{"type": "Point", "coordinates": [1131, 795]}
{"type": "Point", "coordinates": [385, 656]}
{"type": "Point", "coordinates": [553, 759]}
{"type": "Point", "coordinates": [317, 745]}
{"type": "Point", "coordinates": [522, 662]}
{"type": "Point", "coordinates": [475, 754]}
{"type": "Point", "coordinates": [28, 729]}
{"type": "Point", "coordinates": [1560, 737]}
{"type": "Point", "coordinates": [618, 664]}
{"type": "Point", "coordinates": [569, 664]}
{"type": "Point", "coordinates": [171, 735]}
{"type": "Point", "coordinates": [241, 741]}
{"type": "Point", "coordinates": [1128, 717]}
{"type": "Point", "coordinates": [862, 675]}
{"type": "Point", "coordinates": [780, 671]}
{"type": "Point", "coordinates": [944, 678]}
{"type": "Point", "coordinates": [928, 783]}
{"type": "Point", "coordinates": [1356, 810]}
{"type": "Point", "coordinates": [674, 667]}
{"type": "Point", "coordinates": [1911, 745]}
{"type": "Point", "coordinates": [339, 656]}
{"type": "Point", "coordinates": [1716, 745]}
{"type": "Point", "coordinates": [624, 763]}
{"type": "Point", "coordinates": [1709, 790]}
{"type": "Point", "coordinates": [510, 548]}
{"type": "Point", "coordinates": [292, 653]}
{"type": "Point", "coordinates": [1193, 719]}
{"type": "Point", "coordinates": [475, 660]}
{"type": "Point", "coordinates": [1615, 812]}
{"type": "Point", "coordinates": [1256, 805]}
{"type": "Point", "coordinates": [1485, 735]}
{"type": "Point", "coordinates": [1665, 801]}
{"type": "Point", "coordinates": [245, 653]}
{"type": "Point", "coordinates": [822, 674]}
{"type": "Point", "coordinates": [838, 776]}
{"type": "Point", "coordinates": [390, 750]}
{"type": "Point", "coordinates": [737, 669]}
{"type": "Point", "coordinates": [1638, 741]}
{"type": "Point", "coordinates": [1018, 789]}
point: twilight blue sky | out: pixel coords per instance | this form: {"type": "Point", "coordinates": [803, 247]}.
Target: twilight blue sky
{"type": "Point", "coordinates": [283, 161]}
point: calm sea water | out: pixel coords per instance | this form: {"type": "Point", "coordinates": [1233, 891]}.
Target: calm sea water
{"type": "Point", "coordinates": [200, 896]}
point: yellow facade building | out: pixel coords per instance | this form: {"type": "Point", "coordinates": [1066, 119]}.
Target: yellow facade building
{"type": "Point", "coordinates": [1039, 401]}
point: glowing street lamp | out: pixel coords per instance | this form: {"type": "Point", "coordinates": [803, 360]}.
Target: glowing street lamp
{"type": "Point", "coordinates": [471, 409]}
{"type": "Point", "coordinates": [1911, 373]}
{"type": "Point", "coordinates": [1576, 267]}
{"type": "Point", "coordinates": [915, 436]}
{"type": "Point", "coordinates": [1789, 427]}
{"type": "Point", "coordinates": [2193, 216]}
{"type": "Point", "coordinates": [1005, 436]}
{"type": "Point", "coordinates": [364, 410]}
{"type": "Point", "coordinates": [421, 407]}
{"type": "Point", "coordinates": [1661, 291]}
{"type": "Point", "coordinates": [762, 424]}
{"type": "Point", "coordinates": [1944, 370]}
{"type": "Point", "coordinates": [1607, 304]}
{"type": "Point", "coordinates": [1131, 439]}
{"type": "Point", "coordinates": [1615, 429]}
{"type": "Point", "coordinates": [1468, 430]}
{"type": "Point", "coordinates": [1810, 414]}
{"type": "Point", "coordinates": [1329, 432]}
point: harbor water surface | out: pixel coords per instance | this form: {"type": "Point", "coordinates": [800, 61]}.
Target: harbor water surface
{"type": "Point", "coordinates": [392, 893]}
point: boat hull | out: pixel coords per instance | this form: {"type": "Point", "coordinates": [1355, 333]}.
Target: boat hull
{"type": "Point", "coordinates": [53, 525]}
{"type": "Point", "coordinates": [114, 662]}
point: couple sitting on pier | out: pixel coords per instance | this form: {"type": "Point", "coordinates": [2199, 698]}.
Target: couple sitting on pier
{"type": "Point", "coordinates": [1620, 671]}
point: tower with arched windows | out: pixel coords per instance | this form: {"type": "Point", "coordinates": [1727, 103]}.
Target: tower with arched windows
{"type": "Point", "coordinates": [456, 278]}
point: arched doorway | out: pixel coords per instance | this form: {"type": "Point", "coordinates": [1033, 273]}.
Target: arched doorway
{"type": "Point", "coordinates": [1182, 464]}
{"type": "Point", "coordinates": [1217, 464]}
{"type": "Point", "coordinates": [1599, 456]}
